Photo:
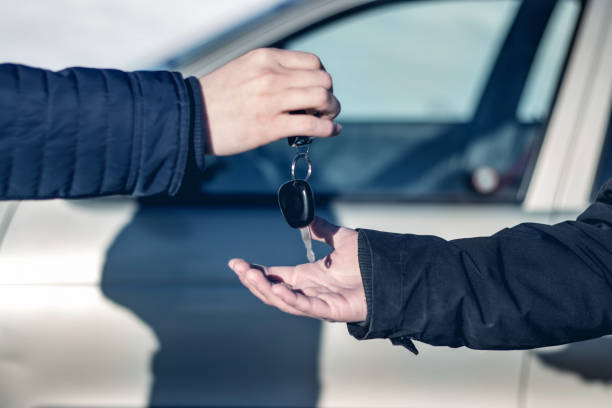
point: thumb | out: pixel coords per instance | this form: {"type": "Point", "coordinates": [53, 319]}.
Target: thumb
{"type": "Point", "coordinates": [323, 230]}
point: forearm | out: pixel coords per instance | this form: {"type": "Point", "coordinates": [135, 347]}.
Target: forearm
{"type": "Point", "coordinates": [529, 286]}
{"type": "Point", "coordinates": [87, 132]}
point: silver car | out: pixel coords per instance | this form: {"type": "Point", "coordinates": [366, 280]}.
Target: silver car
{"type": "Point", "coordinates": [460, 118]}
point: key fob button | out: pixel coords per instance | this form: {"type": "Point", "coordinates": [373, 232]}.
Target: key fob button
{"type": "Point", "coordinates": [296, 202]}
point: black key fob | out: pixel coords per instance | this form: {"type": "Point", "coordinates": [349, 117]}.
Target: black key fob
{"type": "Point", "coordinates": [296, 141]}
{"type": "Point", "coordinates": [296, 202]}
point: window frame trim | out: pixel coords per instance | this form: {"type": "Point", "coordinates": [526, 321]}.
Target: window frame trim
{"type": "Point", "coordinates": [566, 165]}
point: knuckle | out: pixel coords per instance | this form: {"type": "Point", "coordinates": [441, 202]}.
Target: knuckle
{"type": "Point", "coordinates": [313, 60]}
{"type": "Point", "coordinates": [327, 127]}
{"type": "Point", "coordinates": [261, 55]}
{"type": "Point", "coordinates": [326, 80]}
{"type": "Point", "coordinates": [267, 79]}
{"type": "Point", "coordinates": [307, 124]}
{"type": "Point", "coordinates": [321, 95]}
{"type": "Point", "coordinates": [253, 54]}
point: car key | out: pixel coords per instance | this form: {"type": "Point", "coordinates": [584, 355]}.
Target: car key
{"type": "Point", "coordinates": [296, 202]}
{"type": "Point", "coordinates": [295, 197]}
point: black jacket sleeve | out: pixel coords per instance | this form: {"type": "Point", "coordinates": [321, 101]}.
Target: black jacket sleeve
{"type": "Point", "coordinates": [86, 132]}
{"type": "Point", "coordinates": [529, 286]}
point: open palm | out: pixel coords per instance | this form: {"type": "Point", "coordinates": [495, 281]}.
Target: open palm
{"type": "Point", "coordinates": [329, 289]}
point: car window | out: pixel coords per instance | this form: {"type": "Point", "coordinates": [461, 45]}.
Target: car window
{"type": "Point", "coordinates": [440, 101]}
{"type": "Point", "coordinates": [426, 61]}
{"type": "Point", "coordinates": [548, 64]}
{"type": "Point", "coordinates": [604, 172]}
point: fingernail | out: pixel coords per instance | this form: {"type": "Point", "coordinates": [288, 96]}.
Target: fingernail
{"type": "Point", "coordinates": [231, 263]}
{"type": "Point", "coordinates": [337, 128]}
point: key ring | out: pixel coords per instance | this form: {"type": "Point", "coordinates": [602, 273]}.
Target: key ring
{"type": "Point", "coordinates": [302, 149]}
{"type": "Point", "coordinates": [294, 162]}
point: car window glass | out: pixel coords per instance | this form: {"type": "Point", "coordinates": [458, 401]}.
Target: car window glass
{"type": "Point", "coordinates": [382, 70]}
{"type": "Point", "coordinates": [430, 93]}
{"type": "Point", "coordinates": [548, 63]}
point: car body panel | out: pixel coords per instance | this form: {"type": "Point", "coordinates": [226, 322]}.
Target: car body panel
{"type": "Point", "coordinates": [374, 373]}
{"type": "Point", "coordinates": [129, 304]}
{"type": "Point", "coordinates": [7, 210]}
{"type": "Point", "coordinates": [53, 313]}
{"type": "Point", "coordinates": [69, 345]}
{"type": "Point", "coordinates": [573, 375]}
{"type": "Point", "coordinates": [61, 242]}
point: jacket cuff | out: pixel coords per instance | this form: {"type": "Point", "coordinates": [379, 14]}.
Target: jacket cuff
{"type": "Point", "coordinates": [381, 269]}
{"type": "Point", "coordinates": [196, 127]}
{"type": "Point", "coordinates": [160, 134]}
{"type": "Point", "coordinates": [365, 267]}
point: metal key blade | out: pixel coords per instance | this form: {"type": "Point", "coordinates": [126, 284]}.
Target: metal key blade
{"type": "Point", "coordinates": [307, 240]}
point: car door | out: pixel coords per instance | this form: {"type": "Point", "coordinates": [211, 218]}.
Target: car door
{"type": "Point", "coordinates": [579, 373]}
{"type": "Point", "coordinates": [445, 107]}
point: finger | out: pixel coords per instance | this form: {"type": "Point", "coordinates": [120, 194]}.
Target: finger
{"type": "Point", "coordinates": [259, 283]}
{"type": "Point", "coordinates": [323, 230]}
{"type": "Point", "coordinates": [296, 59]}
{"type": "Point", "coordinates": [241, 267]}
{"type": "Point", "coordinates": [252, 288]}
{"type": "Point", "coordinates": [238, 265]}
{"type": "Point", "coordinates": [310, 306]}
{"type": "Point", "coordinates": [314, 98]}
{"type": "Point", "coordinates": [254, 291]}
{"type": "Point", "coordinates": [300, 78]}
{"type": "Point", "coordinates": [314, 291]}
{"type": "Point", "coordinates": [284, 274]}
{"type": "Point", "coordinates": [260, 286]}
{"type": "Point", "coordinates": [276, 273]}
{"type": "Point", "coordinates": [287, 125]}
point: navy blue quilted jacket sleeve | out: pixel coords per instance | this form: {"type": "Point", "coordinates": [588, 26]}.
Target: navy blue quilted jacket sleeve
{"type": "Point", "coordinates": [529, 286]}
{"type": "Point", "coordinates": [84, 132]}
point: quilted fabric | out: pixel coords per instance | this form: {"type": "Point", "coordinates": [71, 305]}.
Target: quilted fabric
{"type": "Point", "coordinates": [84, 132]}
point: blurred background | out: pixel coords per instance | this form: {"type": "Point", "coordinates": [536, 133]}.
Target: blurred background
{"type": "Point", "coordinates": [135, 34]}
{"type": "Point", "coordinates": [460, 118]}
